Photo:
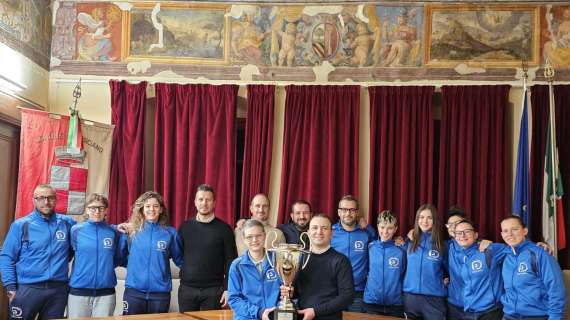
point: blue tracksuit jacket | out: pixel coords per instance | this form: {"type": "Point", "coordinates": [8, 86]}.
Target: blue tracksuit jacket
{"type": "Point", "coordinates": [354, 245]}
{"type": "Point", "coordinates": [425, 270]}
{"type": "Point", "coordinates": [249, 291]}
{"type": "Point", "coordinates": [533, 283]}
{"type": "Point", "coordinates": [387, 265]}
{"type": "Point", "coordinates": [455, 259]}
{"type": "Point", "coordinates": [36, 250]}
{"type": "Point", "coordinates": [98, 250]}
{"type": "Point", "coordinates": [148, 266]}
{"type": "Point", "coordinates": [481, 275]}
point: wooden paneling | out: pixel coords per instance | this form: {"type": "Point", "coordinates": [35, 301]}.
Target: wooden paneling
{"type": "Point", "coordinates": [9, 150]}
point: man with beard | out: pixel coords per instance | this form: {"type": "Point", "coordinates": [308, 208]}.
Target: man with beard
{"type": "Point", "coordinates": [209, 249]}
{"type": "Point", "coordinates": [301, 214]}
{"type": "Point", "coordinates": [352, 241]}
{"type": "Point", "coordinates": [35, 258]}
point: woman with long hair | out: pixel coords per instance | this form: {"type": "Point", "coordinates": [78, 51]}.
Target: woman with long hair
{"type": "Point", "coordinates": [424, 288]}
{"type": "Point", "coordinates": [151, 244]}
{"type": "Point", "coordinates": [98, 249]}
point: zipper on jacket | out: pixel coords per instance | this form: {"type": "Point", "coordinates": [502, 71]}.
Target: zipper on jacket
{"type": "Point", "coordinates": [97, 254]}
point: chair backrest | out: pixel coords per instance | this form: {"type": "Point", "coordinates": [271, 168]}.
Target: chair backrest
{"type": "Point", "coordinates": [120, 288]}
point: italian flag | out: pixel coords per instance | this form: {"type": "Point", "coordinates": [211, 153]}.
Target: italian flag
{"type": "Point", "coordinates": [552, 211]}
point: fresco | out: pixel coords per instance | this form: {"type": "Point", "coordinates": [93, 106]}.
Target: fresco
{"type": "Point", "coordinates": [63, 44]}
{"type": "Point", "coordinates": [26, 26]}
{"type": "Point", "coordinates": [401, 36]}
{"type": "Point", "coordinates": [98, 32]}
{"type": "Point", "coordinates": [177, 33]}
{"type": "Point", "coordinates": [482, 35]}
{"type": "Point", "coordinates": [556, 35]}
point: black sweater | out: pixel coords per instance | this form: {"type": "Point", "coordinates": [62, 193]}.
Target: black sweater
{"type": "Point", "coordinates": [326, 285]}
{"type": "Point", "coordinates": [209, 249]}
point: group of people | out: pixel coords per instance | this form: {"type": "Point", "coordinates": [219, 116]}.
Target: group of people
{"type": "Point", "coordinates": [352, 266]}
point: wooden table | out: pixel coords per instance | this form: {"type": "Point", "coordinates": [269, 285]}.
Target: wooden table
{"type": "Point", "coordinates": [227, 315]}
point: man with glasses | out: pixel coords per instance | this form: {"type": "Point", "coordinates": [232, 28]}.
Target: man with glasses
{"type": "Point", "coordinates": [352, 241]}
{"type": "Point", "coordinates": [34, 260]}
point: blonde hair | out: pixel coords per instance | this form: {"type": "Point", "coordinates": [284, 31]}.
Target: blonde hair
{"type": "Point", "coordinates": [137, 215]}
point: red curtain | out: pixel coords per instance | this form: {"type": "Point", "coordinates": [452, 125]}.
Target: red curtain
{"type": "Point", "coordinates": [540, 113]}
{"type": "Point", "coordinates": [474, 166]}
{"type": "Point", "coordinates": [195, 143]}
{"type": "Point", "coordinates": [320, 147]}
{"type": "Point", "coordinates": [401, 151]}
{"type": "Point", "coordinates": [258, 144]}
{"type": "Point", "coordinates": [126, 182]}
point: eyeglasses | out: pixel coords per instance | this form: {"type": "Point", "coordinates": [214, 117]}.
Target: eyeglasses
{"type": "Point", "coordinates": [95, 209]}
{"type": "Point", "coordinates": [466, 232]}
{"type": "Point", "coordinates": [43, 199]}
{"type": "Point", "coordinates": [349, 210]}
{"type": "Point", "coordinates": [253, 237]}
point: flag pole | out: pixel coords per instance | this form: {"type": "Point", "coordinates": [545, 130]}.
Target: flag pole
{"type": "Point", "coordinates": [549, 75]}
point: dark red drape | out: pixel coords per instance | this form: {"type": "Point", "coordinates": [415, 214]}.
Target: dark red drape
{"type": "Point", "coordinates": [474, 165]}
{"type": "Point", "coordinates": [194, 143]}
{"type": "Point", "coordinates": [258, 144]}
{"type": "Point", "coordinates": [126, 182]}
{"type": "Point", "coordinates": [320, 147]}
{"type": "Point", "coordinates": [540, 113]}
{"type": "Point", "coordinates": [401, 151]}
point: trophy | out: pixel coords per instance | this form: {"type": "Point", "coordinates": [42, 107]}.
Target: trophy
{"type": "Point", "coordinates": [287, 260]}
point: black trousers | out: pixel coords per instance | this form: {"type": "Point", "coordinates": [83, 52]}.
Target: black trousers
{"type": "Point", "coordinates": [196, 299]}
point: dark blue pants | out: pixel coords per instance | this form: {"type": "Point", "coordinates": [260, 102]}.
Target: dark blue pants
{"type": "Point", "coordinates": [509, 317]}
{"type": "Point", "coordinates": [457, 313]}
{"type": "Point", "coordinates": [47, 300]}
{"type": "Point", "coordinates": [392, 311]}
{"type": "Point", "coordinates": [417, 306]}
{"type": "Point", "coordinates": [137, 302]}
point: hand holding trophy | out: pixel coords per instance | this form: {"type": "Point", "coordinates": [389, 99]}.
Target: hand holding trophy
{"type": "Point", "coordinates": [287, 260]}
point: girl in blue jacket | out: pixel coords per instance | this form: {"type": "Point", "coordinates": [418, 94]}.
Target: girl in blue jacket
{"type": "Point", "coordinates": [424, 289]}
{"type": "Point", "coordinates": [151, 244]}
{"type": "Point", "coordinates": [98, 250]}
{"type": "Point", "coordinates": [533, 283]}
{"type": "Point", "coordinates": [253, 286]}
{"type": "Point", "coordinates": [387, 264]}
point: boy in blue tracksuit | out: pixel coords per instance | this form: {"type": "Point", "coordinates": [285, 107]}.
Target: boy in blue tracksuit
{"type": "Point", "coordinates": [352, 241]}
{"type": "Point", "coordinates": [34, 260]}
{"type": "Point", "coordinates": [532, 279]}
{"type": "Point", "coordinates": [253, 285]}
{"type": "Point", "coordinates": [480, 275]}
{"type": "Point", "coordinates": [387, 265]}
{"type": "Point", "coordinates": [98, 249]}
{"type": "Point", "coordinates": [455, 261]}
{"type": "Point", "coordinates": [151, 245]}
{"type": "Point", "coordinates": [424, 289]}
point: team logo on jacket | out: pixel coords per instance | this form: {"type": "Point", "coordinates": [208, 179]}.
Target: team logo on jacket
{"type": "Point", "coordinates": [16, 313]}
{"type": "Point", "coordinates": [358, 245]}
{"type": "Point", "coordinates": [433, 255]}
{"type": "Point", "coordinates": [394, 262]}
{"type": "Point", "coordinates": [523, 267]}
{"type": "Point", "coordinates": [60, 235]}
{"type": "Point", "coordinates": [476, 266]}
{"type": "Point", "coordinates": [107, 243]}
{"type": "Point", "coordinates": [161, 245]}
{"type": "Point", "coordinates": [125, 306]}
{"type": "Point", "coordinates": [271, 275]}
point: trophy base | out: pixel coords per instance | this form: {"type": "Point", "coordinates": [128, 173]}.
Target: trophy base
{"type": "Point", "coordinates": [280, 314]}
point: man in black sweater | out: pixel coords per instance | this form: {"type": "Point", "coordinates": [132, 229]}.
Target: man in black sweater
{"type": "Point", "coordinates": [300, 216]}
{"type": "Point", "coordinates": [325, 287]}
{"type": "Point", "coordinates": [209, 249]}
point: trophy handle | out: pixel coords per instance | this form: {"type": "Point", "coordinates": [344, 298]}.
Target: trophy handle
{"type": "Point", "coordinates": [269, 259]}
{"type": "Point", "coordinates": [304, 244]}
{"type": "Point", "coordinates": [272, 232]}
